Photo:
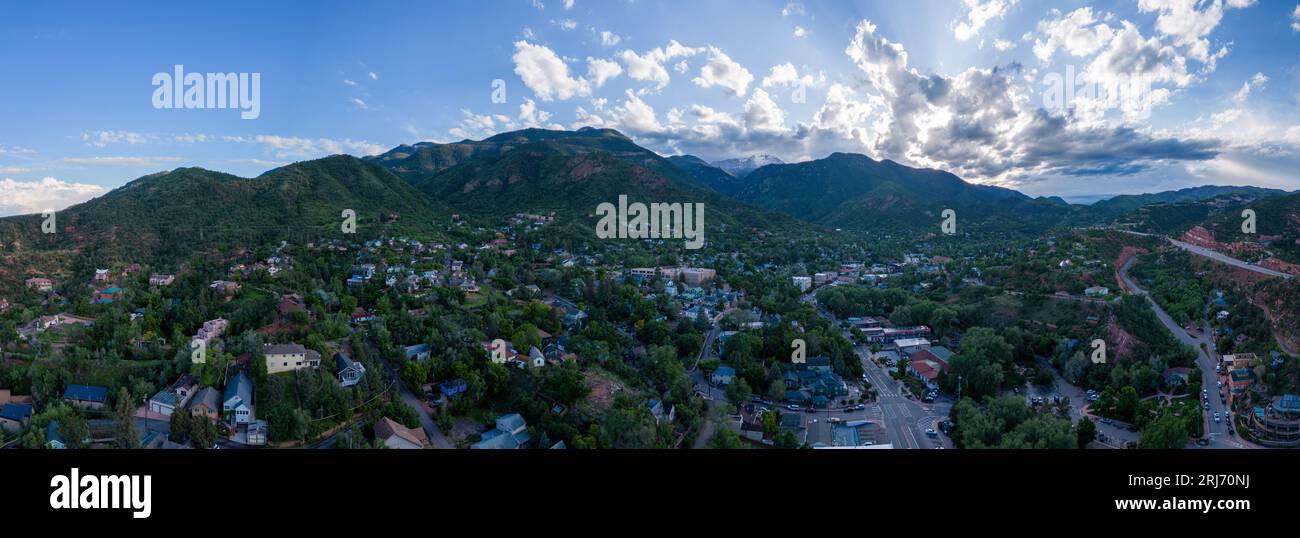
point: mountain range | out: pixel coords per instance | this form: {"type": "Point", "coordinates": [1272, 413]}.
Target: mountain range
{"type": "Point", "coordinates": [567, 173]}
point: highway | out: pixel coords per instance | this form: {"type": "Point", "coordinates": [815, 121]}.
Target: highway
{"type": "Point", "coordinates": [1215, 255]}
{"type": "Point", "coordinates": [1206, 359]}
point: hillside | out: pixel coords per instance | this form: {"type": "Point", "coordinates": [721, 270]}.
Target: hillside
{"type": "Point", "coordinates": [1125, 203]}
{"type": "Point", "coordinates": [420, 161]}
{"type": "Point", "coordinates": [854, 191]}
{"type": "Point", "coordinates": [192, 209]}
{"type": "Point", "coordinates": [549, 176]}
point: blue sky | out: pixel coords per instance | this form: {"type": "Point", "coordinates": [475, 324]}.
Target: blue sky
{"type": "Point", "coordinates": [1209, 89]}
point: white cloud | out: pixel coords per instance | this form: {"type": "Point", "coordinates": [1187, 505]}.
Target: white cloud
{"type": "Point", "coordinates": [27, 197]}
{"type": "Point", "coordinates": [546, 74]}
{"type": "Point", "coordinates": [792, 8]}
{"type": "Point", "coordinates": [762, 113]}
{"type": "Point", "coordinates": [585, 119]}
{"type": "Point", "coordinates": [101, 139]}
{"type": "Point", "coordinates": [137, 162]}
{"type": "Point", "coordinates": [350, 82]}
{"type": "Point", "coordinates": [724, 72]}
{"type": "Point", "coordinates": [1003, 45]}
{"type": "Point", "coordinates": [1295, 18]}
{"type": "Point", "coordinates": [650, 65]}
{"type": "Point", "coordinates": [981, 124]}
{"type": "Point", "coordinates": [292, 147]}
{"type": "Point", "coordinates": [636, 117]}
{"type": "Point", "coordinates": [567, 24]}
{"type": "Point", "coordinates": [16, 151]}
{"type": "Point", "coordinates": [799, 31]}
{"type": "Point", "coordinates": [531, 116]}
{"type": "Point", "coordinates": [359, 103]}
{"type": "Point", "coordinates": [979, 13]}
{"type": "Point", "coordinates": [537, 4]}
{"type": "Point", "coordinates": [1188, 25]}
{"type": "Point", "coordinates": [568, 4]}
{"type": "Point", "coordinates": [1081, 33]}
{"type": "Point", "coordinates": [786, 75]}
{"type": "Point", "coordinates": [609, 39]}
{"type": "Point", "coordinates": [1255, 83]}
{"type": "Point", "coordinates": [373, 75]}
{"type": "Point", "coordinates": [14, 170]}
{"type": "Point", "coordinates": [600, 70]}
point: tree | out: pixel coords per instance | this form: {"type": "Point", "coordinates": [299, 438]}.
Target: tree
{"type": "Point", "coordinates": [776, 390]}
{"type": "Point", "coordinates": [1087, 431]}
{"type": "Point", "coordinates": [738, 391]}
{"type": "Point", "coordinates": [203, 433]}
{"type": "Point", "coordinates": [1167, 432]}
{"type": "Point", "coordinates": [125, 432]}
{"type": "Point", "coordinates": [726, 439]}
{"type": "Point", "coordinates": [181, 427]}
{"type": "Point", "coordinates": [1127, 403]}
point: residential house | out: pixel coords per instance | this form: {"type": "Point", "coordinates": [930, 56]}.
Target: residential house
{"type": "Point", "coordinates": [225, 287]}
{"type": "Point", "coordinates": [157, 279]}
{"type": "Point", "coordinates": [289, 357]}
{"type": "Point", "coordinates": [511, 433]}
{"type": "Point", "coordinates": [535, 357]}
{"type": "Point", "coordinates": [350, 372]}
{"type": "Point", "coordinates": [289, 304]}
{"type": "Point", "coordinates": [1096, 291]}
{"type": "Point", "coordinates": [209, 330]}
{"type": "Point", "coordinates": [237, 403]}
{"type": "Point", "coordinates": [723, 375]}
{"type": "Point", "coordinates": [397, 436]}
{"type": "Point", "coordinates": [361, 315]}
{"type": "Point", "coordinates": [802, 282]}
{"type": "Point", "coordinates": [660, 411]}
{"type": "Point", "coordinates": [40, 284]}
{"type": "Point", "coordinates": [206, 403]}
{"type": "Point", "coordinates": [452, 389]}
{"type": "Point", "coordinates": [101, 275]}
{"type": "Point", "coordinates": [53, 436]}
{"type": "Point", "coordinates": [86, 396]}
{"type": "Point", "coordinates": [418, 352]}
{"type": "Point", "coordinates": [14, 416]}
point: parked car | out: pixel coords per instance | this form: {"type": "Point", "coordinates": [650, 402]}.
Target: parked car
{"type": "Point", "coordinates": [792, 407]}
{"type": "Point", "coordinates": [930, 432]}
{"type": "Point", "coordinates": [1216, 417]}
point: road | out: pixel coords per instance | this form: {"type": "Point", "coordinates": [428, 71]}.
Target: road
{"type": "Point", "coordinates": [1110, 433]}
{"type": "Point", "coordinates": [1215, 255]}
{"type": "Point", "coordinates": [436, 437]}
{"type": "Point", "coordinates": [1206, 359]}
{"type": "Point", "coordinates": [904, 418]}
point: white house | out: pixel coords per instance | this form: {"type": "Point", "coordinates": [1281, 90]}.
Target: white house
{"type": "Point", "coordinates": [237, 405]}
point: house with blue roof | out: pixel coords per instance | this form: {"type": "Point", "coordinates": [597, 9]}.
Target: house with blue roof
{"type": "Point", "coordinates": [452, 389]}
{"type": "Point", "coordinates": [86, 396]}
{"type": "Point", "coordinates": [53, 437]}
{"type": "Point", "coordinates": [511, 433]}
{"type": "Point", "coordinates": [723, 375]}
{"type": "Point", "coordinates": [237, 403]}
{"type": "Point", "coordinates": [13, 417]}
